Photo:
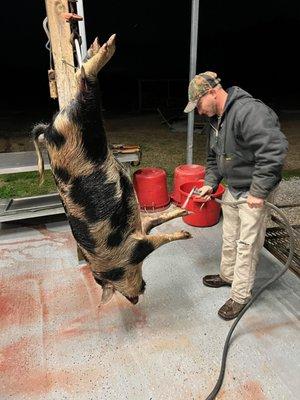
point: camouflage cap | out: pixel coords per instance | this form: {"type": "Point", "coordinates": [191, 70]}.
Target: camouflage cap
{"type": "Point", "coordinates": [200, 85]}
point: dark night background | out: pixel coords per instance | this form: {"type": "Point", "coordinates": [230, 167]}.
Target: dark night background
{"type": "Point", "coordinates": [249, 44]}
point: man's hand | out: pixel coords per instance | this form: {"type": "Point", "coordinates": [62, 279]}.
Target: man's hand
{"type": "Point", "coordinates": [204, 192]}
{"type": "Point", "coordinates": [255, 202]}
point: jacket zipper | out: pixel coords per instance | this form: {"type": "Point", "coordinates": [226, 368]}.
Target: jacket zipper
{"type": "Point", "coordinates": [215, 130]}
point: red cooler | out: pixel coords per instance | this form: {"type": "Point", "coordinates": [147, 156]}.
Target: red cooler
{"type": "Point", "coordinates": [204, 213]}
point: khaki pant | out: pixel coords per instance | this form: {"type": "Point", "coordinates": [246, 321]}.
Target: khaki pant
{"type": "Point", "coordinates": [244, 231]}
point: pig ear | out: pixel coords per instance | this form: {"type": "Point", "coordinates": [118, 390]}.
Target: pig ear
{"type": "Point", "coordinates": [107, 294]}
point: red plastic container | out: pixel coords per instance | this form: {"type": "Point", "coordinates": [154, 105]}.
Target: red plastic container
{"type": "Point", "coordinates": [150, 185]}
{"type": "Point", "coordinates": [183, 174]}
{"type": "Point", "coordinates": [204, 213]}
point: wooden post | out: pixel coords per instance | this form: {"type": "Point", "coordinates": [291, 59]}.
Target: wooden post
{"type": "Point", "coordinates": [60, 34]}
{"type": "Point", "coordinates": [62, 50]}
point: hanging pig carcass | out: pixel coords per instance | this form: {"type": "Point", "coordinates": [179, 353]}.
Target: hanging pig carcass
{"type": "Point", "coordinates": [95, 189]}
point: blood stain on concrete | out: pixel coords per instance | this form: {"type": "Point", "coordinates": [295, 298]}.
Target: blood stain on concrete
{"type": "Point", "coordinates": [260, 329]}
{"type": "Point", "coordinates": [252, 390]}
{"type": "Point", "coordinates": [23, 373]}
{"type": "Point", "coordinates": [17, 305]}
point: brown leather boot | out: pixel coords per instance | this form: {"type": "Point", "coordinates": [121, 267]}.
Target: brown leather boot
{"type": "Point", "coordinates": [230, 309]}
{"type": "Point", "coordinates": [214, 281]}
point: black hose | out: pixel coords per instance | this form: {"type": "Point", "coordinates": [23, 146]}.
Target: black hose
{"type": "Point", "coordinates": [290, 232]}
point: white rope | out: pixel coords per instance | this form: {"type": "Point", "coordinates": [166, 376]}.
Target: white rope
{"type": "Point", "coordinates": [48, 44]}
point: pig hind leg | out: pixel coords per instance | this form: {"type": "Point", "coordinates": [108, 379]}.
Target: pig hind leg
{"type": "Point", "coordinates": [94, 48]}
{"type": "Point", "coordinates": [98, 56]}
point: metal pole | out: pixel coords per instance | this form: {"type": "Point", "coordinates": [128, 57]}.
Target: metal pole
{"type": "Point", "coordinates": [81, 25]}
{"type": "Point", "coordinates": [78, 53]}
{"type": "Point", "coordinates": [193, 64]}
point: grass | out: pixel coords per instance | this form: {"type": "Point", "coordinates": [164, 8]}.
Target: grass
{"type": "Point", "coordinates": [160, 148]}
{"type": "Point", "coordinates": [292, 173]}
{"type": "Point", "coordinates": [25, 184]}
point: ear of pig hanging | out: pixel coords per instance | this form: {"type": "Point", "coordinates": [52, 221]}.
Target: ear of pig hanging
{"type": "Point", "coordinates": [107, 293]}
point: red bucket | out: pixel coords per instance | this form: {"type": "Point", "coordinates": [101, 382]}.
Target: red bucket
{"type": "Point", "coordinates": [183, 174]}
{"type": "Point", "coordinates": [150, 185]}
{"type": "Point", "coordinates": [204, 213]}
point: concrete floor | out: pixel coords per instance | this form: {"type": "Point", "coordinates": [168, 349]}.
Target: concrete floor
{"type": "Point", "coordinates": [57, 343]}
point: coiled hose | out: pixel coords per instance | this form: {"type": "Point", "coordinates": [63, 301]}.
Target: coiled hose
{"type": "Point", "coordinates": [290, 232]}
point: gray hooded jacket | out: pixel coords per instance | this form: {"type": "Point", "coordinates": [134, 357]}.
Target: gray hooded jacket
{"type": "Point", "coordinates": [246, 147]}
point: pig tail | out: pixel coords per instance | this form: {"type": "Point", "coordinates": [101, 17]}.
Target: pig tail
{"type": "Point", "coordinates": [37, 137]}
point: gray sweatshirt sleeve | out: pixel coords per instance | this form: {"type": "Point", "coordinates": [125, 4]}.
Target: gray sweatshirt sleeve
{"type": "Point", "coordinates": [260, 130]}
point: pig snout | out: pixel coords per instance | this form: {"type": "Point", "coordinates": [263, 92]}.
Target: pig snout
{"type": "Point", "coordinates": [135, 299]}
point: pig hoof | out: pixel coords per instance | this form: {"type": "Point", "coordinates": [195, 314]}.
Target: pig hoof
{"type": "Point", "coordinates": [186, 235]}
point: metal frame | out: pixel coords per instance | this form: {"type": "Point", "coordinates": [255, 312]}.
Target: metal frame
{"type": "Point", "coordinates": [193, 64]}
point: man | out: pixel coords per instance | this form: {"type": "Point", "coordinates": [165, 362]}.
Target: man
{"type": "Point", "coordinates": [247, 148]}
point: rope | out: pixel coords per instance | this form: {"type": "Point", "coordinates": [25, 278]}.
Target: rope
{"type": "Point", "coordinates": [48, 44]}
